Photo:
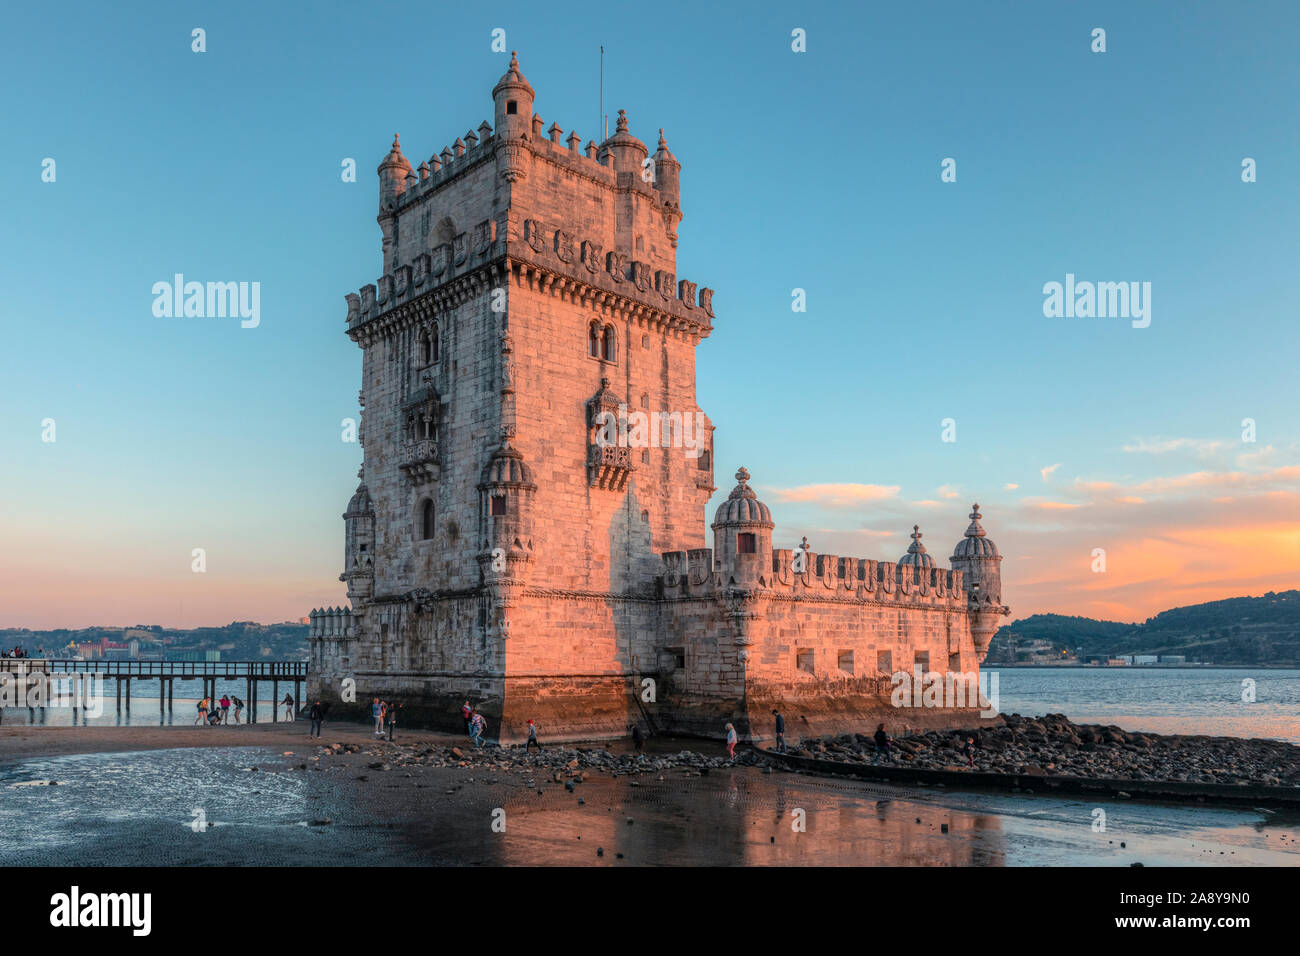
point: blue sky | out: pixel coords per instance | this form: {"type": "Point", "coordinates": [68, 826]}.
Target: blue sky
{"type": "Point", "coordinates": [817, 170]}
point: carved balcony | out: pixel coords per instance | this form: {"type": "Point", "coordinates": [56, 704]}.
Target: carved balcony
{"type": "Point", "coordinates": [419, 460]}
{"type": "Point", "coordinates": [609, 466]}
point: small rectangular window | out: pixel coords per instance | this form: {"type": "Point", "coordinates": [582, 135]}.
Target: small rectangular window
{"type": "Point", "coordinates": [884, 662]}
{"type": "Point", "coordinates": [498, 504]}
{"type": "Point", "coordinates": [746, 543]}
{"type": "Point", "coordinates": [803, 660]}
{"type": "Point", "coordinates": [845, 661]}
{"type": "Point", "coordinates": [512, 107]}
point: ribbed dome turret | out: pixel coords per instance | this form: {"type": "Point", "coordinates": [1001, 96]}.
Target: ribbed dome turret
{"type": "Point", "coordinates": [507, 468]}
{"type": "Point", "coordinates": [976, 544]}
{"type": "Point", "coordinates": [916, 555]}
{"type": "Point", "coordinates": [360, 504]}
{"type": "Point", "coordinates": [742, 506]}
{"type": "Point", "coordinates": [395, 160]}
{"type": "Point", "coordinates": [512, 79]}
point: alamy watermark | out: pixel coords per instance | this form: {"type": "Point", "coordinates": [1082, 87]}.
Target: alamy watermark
{"type": "Point", "coordinates": [652, 430]}
{"type": "Point", "coordinates": [212, 300]}
{"type": "Point", "coordinates": [1101, 300]}
{"type": "Point", "coordinates": [933, 689]}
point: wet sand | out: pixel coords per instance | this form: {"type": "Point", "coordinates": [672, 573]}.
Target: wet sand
{"type": "Point", "coordinates": [20, 741]}
{"type": "Point", "coordinates": [137, 804]}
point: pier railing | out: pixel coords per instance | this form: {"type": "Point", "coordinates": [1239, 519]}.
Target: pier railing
{"type": "Point", "coordinates": [154, 670]}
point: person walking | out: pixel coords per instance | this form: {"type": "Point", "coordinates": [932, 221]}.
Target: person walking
{"type": "Point", "coordinates": [780, 731]}
{"type": "Point", "coordinates": [476, 724]}
{"type": "Point", "coordinates": [882, 746]}
{"type": "Point", "coordinates": [317, 714]}
{"type": "Point", "coordinates": [225, 708]}
{"type": "Point", "coordinates": [532, 739]}
{"type": "Point", "coordinates": [390, 717]}
{"type": "Point", "coordinates": [969, 750]}
{"type": "Point", "coordinates": [466, 711]}
{"type": "Point", "coordinates": [377, 711]}
{"type": "Point", "coordinates": [731, 741]}
{"type": "Point", "coordinates": [239, 707]}
{"type": "Point", "coordinates": [287, 703]}
{"type": "Point", "coordinates": [203, 712]}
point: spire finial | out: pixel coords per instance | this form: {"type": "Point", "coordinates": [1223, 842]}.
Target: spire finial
{"type": "Point", "coordinates": [397, 144]}
{"type": "Point", "coordinates": [663, 143]}
{"type": "Point", "coordinates": [514, 59]}
{"type": "Point", "coordinates": [622, 121]}
{"type": "Point", "coordinates": [742, 475]}
{"type": "Point", "coordinates": [975, 512]}
{"type": "Point", "coordinates": [916, 533]}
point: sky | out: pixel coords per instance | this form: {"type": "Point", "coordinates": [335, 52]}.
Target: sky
{"type": "Point", "coordinates": [819, 170]}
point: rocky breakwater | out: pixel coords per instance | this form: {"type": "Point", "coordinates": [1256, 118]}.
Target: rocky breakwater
{"type": "Point", "coordinates": [1054, 746]}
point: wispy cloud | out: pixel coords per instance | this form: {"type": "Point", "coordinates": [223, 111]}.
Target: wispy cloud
{"type": "Point", "coordinates": [1049, 471]}
{"type": "Point", "coordinates": [836, 495]}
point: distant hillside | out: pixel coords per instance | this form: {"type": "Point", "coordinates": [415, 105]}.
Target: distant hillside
{"type": "Point", "coordinates": [239, 640]}
{"type": "Point", "coordinates": [1242, 630]}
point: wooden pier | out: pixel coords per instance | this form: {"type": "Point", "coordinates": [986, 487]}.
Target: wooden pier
{"type": "Point", "coordinates": [166, 673]}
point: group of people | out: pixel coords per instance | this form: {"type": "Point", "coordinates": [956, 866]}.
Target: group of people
{"type": "Point", "coordinates": [19, 652]}
{"type": "Point", "coordinates": [385, 714]}
{"type": "Point", "coordinates": [220, 713]}
{"type": "Point", "coordinates": [212, 713]}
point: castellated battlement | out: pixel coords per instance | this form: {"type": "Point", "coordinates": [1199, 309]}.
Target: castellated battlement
{"type": "Point", "coordinates": [694, 574]}
{"type": "Point", "coordinates": [330, 623]}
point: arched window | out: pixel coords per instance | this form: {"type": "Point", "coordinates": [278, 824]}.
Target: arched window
{"type": "Point", "coordinates": [433, 345]}
{"type": "Point", "coordinates": [593, 340]}
{"type": "Point", "coordinates": [607, 343]}
{"type": "Point", "coordinates": [426, 519]}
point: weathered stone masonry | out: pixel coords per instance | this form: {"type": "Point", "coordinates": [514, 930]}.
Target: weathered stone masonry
{"type": "Point", "coordinates": [497, 550]}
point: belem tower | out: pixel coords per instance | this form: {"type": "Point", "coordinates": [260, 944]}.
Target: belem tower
{"type": "Point", "coordinates": [501, 549]}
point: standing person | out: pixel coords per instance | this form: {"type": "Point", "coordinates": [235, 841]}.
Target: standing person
{"type": "Point", "coordinates": [532, 739]}
{"type": "Point", "coordinates": [780, 731]}
{"type": "Point", "coordinates": [466, 711]}
{"type": "Point", "coordinates": [731, 741]}
{"type": "Point", "coordinates": [637, 739]}
{"type": "Point", "coordinates": [225, 708]}
{"type": "Point", "coordinates": [239, 707]}
{"type": "Point", "coordinates": [203, 712]}
{"type": "Point", "coordinates": [476, 728]}
{"type": "Point", "coordinates": [377, 711]}
{"type": "Point", "coordinates": [882, 746]}
{"type": "Point", "coordinates": [316, 714]}
{"type": "Point", "coordinates": [969, 750]}
{"type": "Point", "coordinates": [390, 717]}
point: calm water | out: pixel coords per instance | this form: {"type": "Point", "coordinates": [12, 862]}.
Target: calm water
{"type": "Point", "coordinates": [144, 705]}
{"type": "Point", "coordinates": [1160, 700]}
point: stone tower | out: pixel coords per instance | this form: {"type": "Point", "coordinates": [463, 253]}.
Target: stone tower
{"type": "Point", "coordinates": [529, 294]}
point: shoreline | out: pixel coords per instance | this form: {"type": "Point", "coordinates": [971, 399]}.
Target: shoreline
{"type": "Point", "coordinates": [1015, 758]}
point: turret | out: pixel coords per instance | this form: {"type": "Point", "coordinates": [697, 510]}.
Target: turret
{"type": "Point", "coordinates": [393, 174]}
{"type": "Point", "coordinates": [668, 174]}
{"type": "Point", "coordinates": [359, 545]}
{"type": "Point", "coordinates": [742, 535]}
{"type": "Point", "coordinates": [977, 557]}
{"type": "Point", "coordinates": [506, 488]}
{"type": "Point", "coordinates": [623, 151]}
{"type": "Point", "coordinates": [916, 556]}
{"type": "Point", "coordinates": [514, 102]}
